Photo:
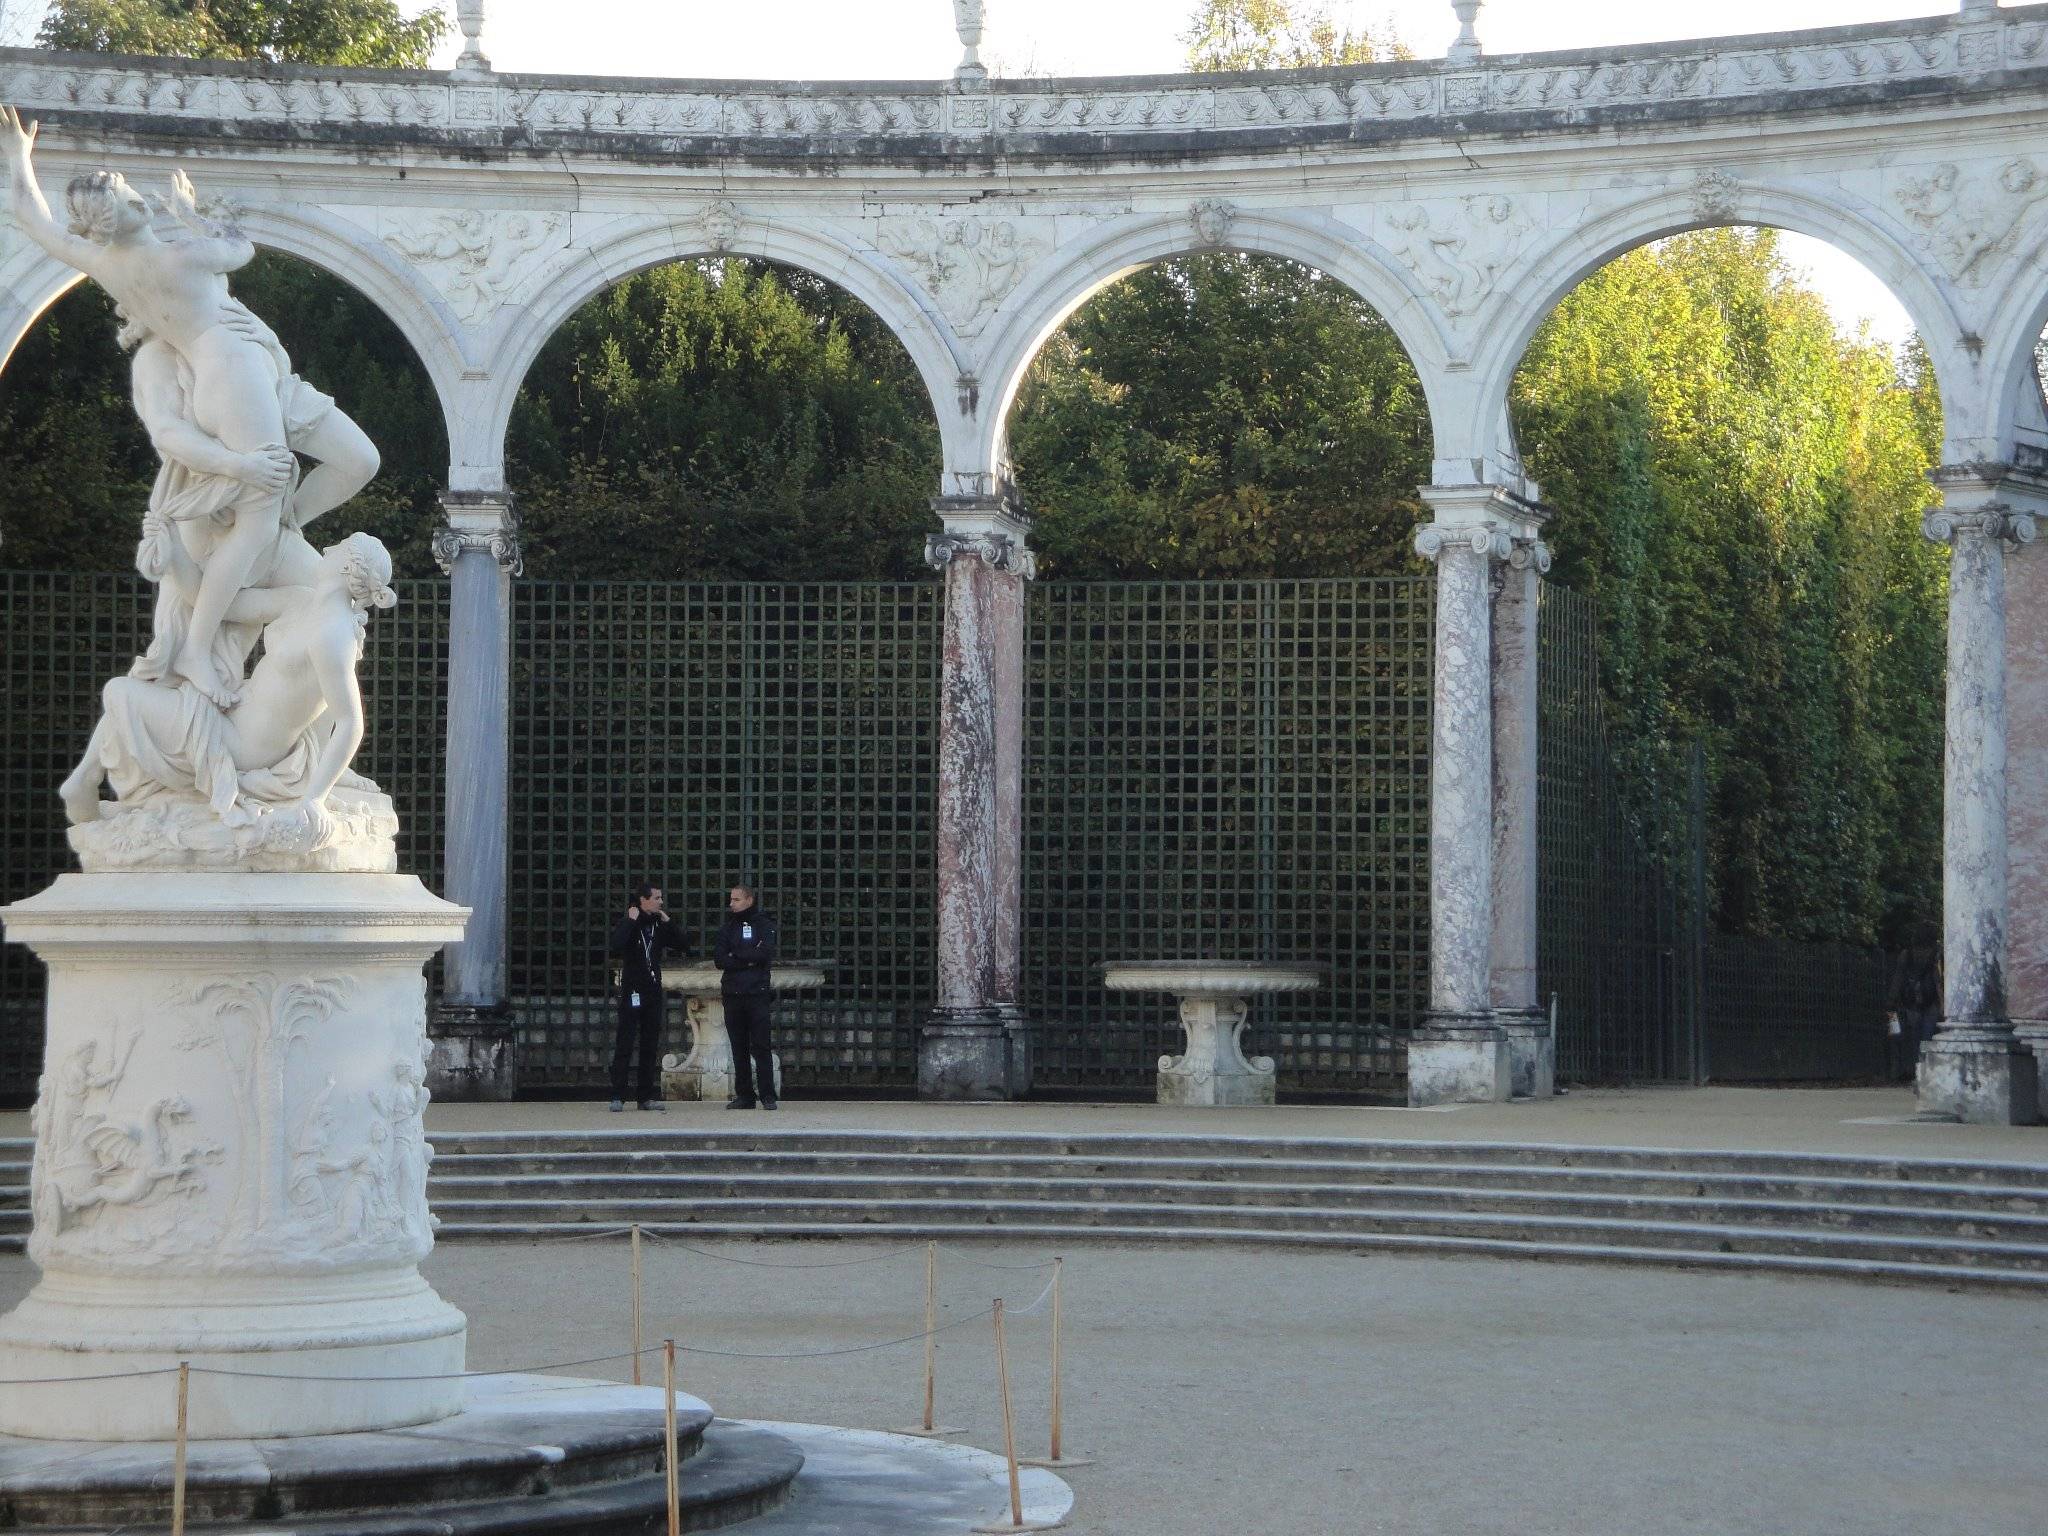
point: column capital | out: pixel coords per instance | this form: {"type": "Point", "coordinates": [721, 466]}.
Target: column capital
{"type": "Point", "coordinates": [1486, 517]}
{"type": "Point", "coordinates": [1987, 499]}
{"type": "Point", "coordinates": [985, 517]}
{"type": "Point", "coordinates": [485, 520]}
{"type": "Point", "coordinates": [998, 551]}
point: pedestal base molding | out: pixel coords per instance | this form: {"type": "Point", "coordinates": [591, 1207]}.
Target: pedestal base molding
{"type": "Point", "coordinates": [1458, 1059]}
{"type": "Point", "coordinates": [974, 1054]}
{"type": "Point", "coordinates": [231, 1158]}
{"type": "Point", "coordinates": [1985, 1078]}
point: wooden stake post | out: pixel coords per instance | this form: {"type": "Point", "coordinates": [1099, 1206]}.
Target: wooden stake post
{"type": "Point", "coordinates": [1053, 1458]}
{"type": "Point", "coordinates": [637, 1344]}
{"type": "Point", "coordinates": [928, 1428]}
{"type": "Point", "coordinates": [1017, 1521]}
{"type": "Point", "coordinates": [178, 1455]}
{"type": "Point", "coordinates": [668, 1379]}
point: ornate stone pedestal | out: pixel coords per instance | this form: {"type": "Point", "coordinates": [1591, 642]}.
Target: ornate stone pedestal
{"type": "Point", "coordinates": [705, 1070]}
{"type": "Point", "coordinates": [1215, 1001]}
{"type": "Point", "coordinates": [230, 1163]}
{"type": "Point", "coordinates": [470, 1055]}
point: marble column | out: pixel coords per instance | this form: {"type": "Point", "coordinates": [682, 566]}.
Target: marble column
{"type": "Point", "coordinates": [1459, 1053]}
{"type": "Point", "coordinates": [1517, 1004]}
{"type": "Point", "coordinates": [471, 1024]}
{"type": "Point", "coordinates": [1975, 1069]}
{"type": "Point", "coordinates": [976, 1045]}
{"type": "Point", "coordinates": [2026, 802]}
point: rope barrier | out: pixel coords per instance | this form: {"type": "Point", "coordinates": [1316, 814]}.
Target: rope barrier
{"type": "Point", "coordinates": [556, 1365]}
{"type": "Point", "coordinates": [726, 1258]}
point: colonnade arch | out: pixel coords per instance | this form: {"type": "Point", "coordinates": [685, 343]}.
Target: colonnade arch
{"type": "Point", "coordinates": [1460, 197]}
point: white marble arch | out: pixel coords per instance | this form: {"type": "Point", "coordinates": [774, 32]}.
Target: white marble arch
{"type": "Point", "coordinates": [618, 248]}
{"type": "Point", "coordinates": [1082, 267]}
{"type": "Point", "coordinates": [1528, 296]}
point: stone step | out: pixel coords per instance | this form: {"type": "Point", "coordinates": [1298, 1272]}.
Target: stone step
{"type": "Point", "coordinates": [1247, 1148]}
{"type": "Point", "coordinates": [1028, 1217]}
{"type": "Point", "coordinates": [739, 1473]}
{"type": "Point", "coordinates": [1957, 1276]}
{"type": "Point", "coordinates": [575, 1191]}
{"type": "Point", "coordinates": [479, 1167]}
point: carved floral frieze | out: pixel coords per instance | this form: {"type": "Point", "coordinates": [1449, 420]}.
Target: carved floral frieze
{"type": "Point", "coordinates": [537, 106]}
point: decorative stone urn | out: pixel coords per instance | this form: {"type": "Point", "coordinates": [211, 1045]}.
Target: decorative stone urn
{"type": "Point", "coordinates": [705, 1071]}
{"type": "Point", "coordinates": [1215, 998]}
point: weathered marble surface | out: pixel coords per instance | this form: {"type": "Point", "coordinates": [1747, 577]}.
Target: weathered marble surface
{"type": "Point", "coordinates": [1517, 1005]}
{"type": "Point", "coordinates": [2026, 800]}
{"type": "Point", "coordinates": [1975, 1069]}
{"type": "Point", "coordinates": [1215, 1003]}
{"type": "Point", "coordinates": [705, 1071]}
{"type": "Point", "coordinates": [231, 1157]}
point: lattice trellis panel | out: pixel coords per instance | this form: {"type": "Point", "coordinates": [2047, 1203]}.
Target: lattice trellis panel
{"type": "Point", "coordinates": [1236, 770]}
{"type": "Point", "coordinates": [64, 636]}
{"type": "Point", "coordinates": [696, 735]}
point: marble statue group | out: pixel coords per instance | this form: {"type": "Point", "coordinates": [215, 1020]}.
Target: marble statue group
{"type": "Point", "coordinates": [208, 759]}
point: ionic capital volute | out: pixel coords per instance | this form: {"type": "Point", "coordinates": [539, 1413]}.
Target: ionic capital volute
{"type": "Point", "coordinates": [478, 520]}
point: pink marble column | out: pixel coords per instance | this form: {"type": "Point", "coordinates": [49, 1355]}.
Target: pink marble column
{"type": "Point", "coordinates": [2026, 801]}
{"type": "Point", "coordinates": [975, 1045]}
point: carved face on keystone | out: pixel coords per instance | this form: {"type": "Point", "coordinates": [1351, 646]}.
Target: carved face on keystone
{"type": "Point", "coordinates": [1212, 222]}
{"type": "Point", "coordinates": [721, 225]}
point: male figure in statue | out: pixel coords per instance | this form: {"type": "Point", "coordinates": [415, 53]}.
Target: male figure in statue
{"type": "Point", "coordinates": [177, 290]}
{"type": "Point", "coordinates": [300, 720]}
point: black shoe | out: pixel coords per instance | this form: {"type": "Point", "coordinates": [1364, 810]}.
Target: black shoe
{"type": "Point", "coordinates": [769, 1104]}
{"type": "Point", "coordinates": [738, 1103]}
{"type": "Point", "coordinates": [654, 1104]}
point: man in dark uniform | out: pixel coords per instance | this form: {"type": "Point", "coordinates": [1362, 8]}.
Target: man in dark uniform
{"type": "Point", "coordinates": [745, 951]}
{"type": "Point", "coordinates": [642, 937]}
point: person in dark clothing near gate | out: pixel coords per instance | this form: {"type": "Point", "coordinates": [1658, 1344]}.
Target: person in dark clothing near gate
{"type": "Point", "coordinates": [641, 938]}
{"type": "Point", "coordinates": [1915, 996]}
{"type": "Point", "coordinates": [744, 953]}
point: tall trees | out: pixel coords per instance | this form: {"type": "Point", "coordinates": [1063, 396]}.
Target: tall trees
{"type": "Point", "coordinates": [371, 34]}
{"type": "Point", "coordinates": [1741, 490]}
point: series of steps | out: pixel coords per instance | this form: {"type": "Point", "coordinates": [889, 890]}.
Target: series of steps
{"type": "Point", "coordinates": [1975, 1223]}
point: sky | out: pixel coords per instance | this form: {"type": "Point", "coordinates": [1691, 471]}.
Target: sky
{"type": "Point", "coordinates": [914, 40]}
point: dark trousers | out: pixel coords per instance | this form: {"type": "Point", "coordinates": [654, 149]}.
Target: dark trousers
{"type": "Point", "coordinates": [746, 1025]}
{"type": "Point", "coordinates": [641, 1024]}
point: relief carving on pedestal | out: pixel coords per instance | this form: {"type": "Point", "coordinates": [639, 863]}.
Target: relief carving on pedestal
{"type": "Point", "coordinates": [476, 259]}
{"type": "Point", "coordinates": [968, 265]}
{"type": "Point", "coordinates": [1969, 224]}
{"type": "Point", "coordinates": [91, 1160]}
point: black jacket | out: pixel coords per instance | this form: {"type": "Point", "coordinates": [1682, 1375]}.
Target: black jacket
{"type": "Point", "coordinates": [640, 943]}
{"type": "Point", "coordinates": [745, 951]}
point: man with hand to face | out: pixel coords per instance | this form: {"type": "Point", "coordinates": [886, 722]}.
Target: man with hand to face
{"type": "Point", "coordinates": [641, 938]}
{"type": "Point", "coordinates": [746, 950]}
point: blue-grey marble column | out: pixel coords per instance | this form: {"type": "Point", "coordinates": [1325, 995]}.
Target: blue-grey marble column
{"type": "Point", "coordinates": [1975, 1069]}
{"type": "Point", "coordinates": [472, 1025]}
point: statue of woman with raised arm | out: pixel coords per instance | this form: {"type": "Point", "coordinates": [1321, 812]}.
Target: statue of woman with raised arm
{"type": "Point", "coordinates": [242, 391]}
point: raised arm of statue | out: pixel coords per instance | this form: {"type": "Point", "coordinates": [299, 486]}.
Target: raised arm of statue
{"type": "Point", "coordinates": [213, 245]}
{"type": "Point", "coordinates": [26, 201]}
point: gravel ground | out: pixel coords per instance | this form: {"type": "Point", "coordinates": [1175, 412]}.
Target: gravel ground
{"type": "Point", "coordinates": [1226, 1392]}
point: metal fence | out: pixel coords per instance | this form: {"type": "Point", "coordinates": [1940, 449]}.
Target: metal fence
{"type": "Point", "coordinates": [1229, 769]}
{"type": "Point", "coordinates": [1776, 1011]}
{"type": "Point", "coordinates": [699, 735]}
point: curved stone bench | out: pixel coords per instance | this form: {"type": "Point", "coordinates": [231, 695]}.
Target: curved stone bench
{"type": "Point", "coordinates": [1215, 998]}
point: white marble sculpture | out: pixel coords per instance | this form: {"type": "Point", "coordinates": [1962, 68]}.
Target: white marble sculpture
{"type": "Point", "coordinates": [209, 767]}
{"type": "Point", "coordinates": [230, 1163]}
